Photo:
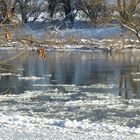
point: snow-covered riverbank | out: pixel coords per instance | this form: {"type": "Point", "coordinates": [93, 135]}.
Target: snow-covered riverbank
{"type": "Point", "coordinates": [26, 130]}
{"type": "Point", "coordinates": [108, 38]}
{"type": "Point", "coordinates": [17, 124]}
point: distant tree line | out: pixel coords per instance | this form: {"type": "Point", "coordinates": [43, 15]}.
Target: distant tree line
{"type": "Point", "coordinates": [92, 8]}
{"type": "Point", "coordinates": [29, 7]}
{"type": "Point", "coordinates": [128, 11]}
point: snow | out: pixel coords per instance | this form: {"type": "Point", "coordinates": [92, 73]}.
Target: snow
{"type": "Point", "coordinates": [82, 36]}
{"type": "Point", "coordinates": [31, 78]}
{"type": "Point", "coordinates": [135, 73]}
{"type": "Point", "coordinates": [19, 128]}
{"type": "Point", "coordinates": [99, 32]}
{"type": "Point", "coordinates": [136, 80]}
{"type": "Point", "coordinates": [71, 113]}
{"type": "Point", "coordinates": [6, 74]}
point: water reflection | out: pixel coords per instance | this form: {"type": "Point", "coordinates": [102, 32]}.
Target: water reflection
{"type": "Point", "coordinates": [72, 68]}
{"type": "Point", "coordinates": [127, 87]}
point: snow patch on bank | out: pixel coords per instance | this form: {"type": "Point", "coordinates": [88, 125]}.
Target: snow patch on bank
{"type": "Point", "coordinates": [30, 127]}
{"type": "Point", "coordinates": [31, 78]}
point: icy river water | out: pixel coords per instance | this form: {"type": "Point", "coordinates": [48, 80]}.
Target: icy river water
{"type": "Point", "coordinates": [70, 95]}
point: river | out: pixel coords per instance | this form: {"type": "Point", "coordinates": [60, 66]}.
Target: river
{"type": "Point", "coordinates": [70, 95]}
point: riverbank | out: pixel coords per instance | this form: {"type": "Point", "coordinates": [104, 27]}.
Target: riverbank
{"type": "Point", "coordinates": [82, 37]}
{"type": "Point", "coordinates": [108, 39]}
{"type": "Point", "coordinates": [99, 132]}
{"type": "Point", "coordinates": [89, 45]}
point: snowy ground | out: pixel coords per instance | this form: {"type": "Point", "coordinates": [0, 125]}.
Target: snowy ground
{"type": "Point", "coordinates": [99, 132]}
{"type": "Point", "coordinates": [80, 29]}
{"type": "Point", "coordinates": [57, 115]}
{"type": "Point", "coordinates": [81, 36]}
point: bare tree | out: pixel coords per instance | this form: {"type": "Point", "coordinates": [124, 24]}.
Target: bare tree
{"type": "Point", "coordinates": [129, 15]}
{"type": "Point", "coordinates": [51, 7]}
{"type": "Point", "coordinates": [5, 11]}
{"type": "Point", "coordinates": [65, 4]}
{"type": "Point", "coordinates": [93, 8]}
{"type": "Point", "coordinates": [28, 8]}
{"type": "Point", "coordinates": [23, 4]}
{"type": "Point", "coordinates": [68, 9]}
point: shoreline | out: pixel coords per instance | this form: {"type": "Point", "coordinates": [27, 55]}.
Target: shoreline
{"type": "Point", "coordinates": [84, 45]}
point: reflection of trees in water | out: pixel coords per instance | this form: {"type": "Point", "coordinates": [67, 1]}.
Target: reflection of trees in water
{"type": "Point", "coordinates": [127, 86]}
{"type": "Point", "coordinates": [7, 82]}
{"type": "Point", "coordinates": [71, 68]}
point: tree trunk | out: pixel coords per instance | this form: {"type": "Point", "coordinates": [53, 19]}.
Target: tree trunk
{"type": "Point", "coordinates": [68, 10]}
{"type": "Point", "coordinates": [138, 36]}
{"type": "Point", "coordinates": [23, 9]}
{"type": "Point", "coordinates": [52, 5]}
{"type": "Point", "coordinates": [24, 16]}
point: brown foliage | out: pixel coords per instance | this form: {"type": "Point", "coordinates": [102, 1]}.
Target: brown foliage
{"type": "Point", "coordinates": [8, 36]}
{"type": "Point", "coordinates": [41, 52]}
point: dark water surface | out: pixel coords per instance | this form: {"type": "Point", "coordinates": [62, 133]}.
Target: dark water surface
{"type": "Point", "coordinates": [96, 87]}
{"type": "Point", "coordinates": [120, 71]}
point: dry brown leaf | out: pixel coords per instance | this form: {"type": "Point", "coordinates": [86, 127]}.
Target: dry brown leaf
{"type": "Point", "coordinates": [9, 14]}
{"type": "Point", "coordinates": [41, 52]}
{"type": "Point", "coordinates": [8, 36]}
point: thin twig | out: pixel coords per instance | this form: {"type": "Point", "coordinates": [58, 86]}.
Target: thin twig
{"type": "Point", "coordinates": [12, 58]}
